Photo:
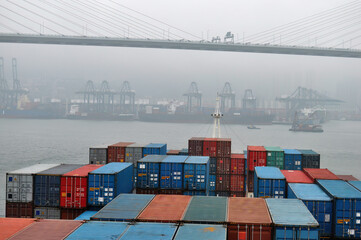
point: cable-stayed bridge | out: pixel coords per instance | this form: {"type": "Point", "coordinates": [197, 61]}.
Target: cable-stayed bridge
{"type": "Point", "coordinates": [335, 32]}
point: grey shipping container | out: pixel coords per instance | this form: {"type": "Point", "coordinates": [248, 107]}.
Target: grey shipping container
{"type": "Point", "coordinates": [134, 152]}
{"type": "Point", "coordinates": [98, 154]}
{"type": "Point", "coordinates": [47, 213]}
{"type": "Point", "coordinates": [20, 183]}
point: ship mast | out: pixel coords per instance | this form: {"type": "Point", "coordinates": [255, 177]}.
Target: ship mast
{"type": "Point", "coordinates": [217, 115]}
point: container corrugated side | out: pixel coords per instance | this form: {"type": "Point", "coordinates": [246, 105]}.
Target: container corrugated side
{"type": "Point", "coordinates": [125, 207]}
{"type": "Point", "coordinates": [206, 210]}
{"type": "Point", "coordinates": [248, 218]}
{"type": "Point", "coordinates": [19, 183]}
{"type": "Point", "coordinates": [269, 182]}
{"type": "Point", "coordinates": [155, 149]}
{"type": "Point", "coordinates": [293, 159]}
{"type": "Point", "coordinates": [149, 231]}
{"type": "Point", "coordinates": [196, 174]}
{"type": "Point", "coordinates": [99, 230]}
{"type": "Point", "coordinates": [256, 156]}
{"type": "Point", "coordinates": [171, 172]}
{"type": "Point", "coordinates": [48, 229]}
{"type": "Point", "coordinates": [47, 213]}
{"type": "Point", "coordinates": [317, 202]}
{"type": "Point", "coordinates": [10, 226]}
{"type": "Point", "coordinates": [275, 157]}
{"type": "Point", "coordinates": [98, 154]}
{"type": "Point", "coordinates": [148, 171]}
{"type": "Point", "coordinates": [195, 146]}
{"type": "Point", "coordinates": [310, 159]}
{"type": "Point", "coordinates": [201, 231]}
{"type": "Point", "coordinates": [165, 208]}
{"type": "Point", "coordinates": [19, 210]}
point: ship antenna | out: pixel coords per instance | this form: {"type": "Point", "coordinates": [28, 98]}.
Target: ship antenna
{"type": "Point", "coordinates": [217, 115]}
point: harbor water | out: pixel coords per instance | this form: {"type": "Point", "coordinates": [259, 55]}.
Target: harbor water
{"type": "Point", "coordinates": [24, 142]}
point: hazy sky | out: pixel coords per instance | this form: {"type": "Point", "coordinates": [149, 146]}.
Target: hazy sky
{"type": "Point", "coordinates": [155, 72]}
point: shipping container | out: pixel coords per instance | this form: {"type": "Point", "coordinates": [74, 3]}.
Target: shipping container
{"type": "Point", "coordinates": [213, 166]}
{"type": "Point", "coordinates": [147, 191]}
{"type": "Point", "coordinates": [155, 149]}
{"type": "Point", "coordinates": [322, 173]}
{"type": "Point", "coordinates": [134, 152]}
{"type": "Point", "coordinates": [238, 165]}
{"type": "Point", "coordinates": [293, 159]}
{"type": "Point", "coordinates": [256, 156]}
{"type": "Point", "coordinates": [248, 219]}
{"type": "Point", "coordinates": [206, 210]}
{"type": "Point", "coordinates": [296, 176]}
{"type": "Point", "coordinates": [201, 231]}
{"type": "Point", "coordinates": [47, 229]}
{"type": "Point", "coordinates": [275, 157]}
{"type": "Point", "coordinates": [250, 181]}
{"type": "Point", "coordinates": [223, 182]}
{"type": "Point", "coordinates": [74, 187]}
{"type": "Point", "coordinates": [98, 154]}
{"type": "Point", "coordinates": [310, 159]}
{"type": "Point", "coordinates": [171, 191]}
{"type": "Point", "coordinates": [356, 184]}
{"type": "Point", "coordinates": [237, 194]}
{"type": "Point", "coordinates": [70, 213]}
{"type": "Point", "coordinates": [165, 208]}
{"type": "Point", "coordinates": [269, 182]}
{"type": "Point", "coordinates": [149, 231]}
{"type": "Point", "coordinates": [86, 215]}
{"type": "Point", "coordinates": [116, 152]}
{"type": "Point", "coordinates": [47, 212]}
{"type": "Point", "coordinates": [223, 165]}
{"type": "Point", "coordinates": [196, 174]}
{"type": "Point", "coordinates": [237, 183]}
{"type": "Point", "coordinates": [107, 182]}
{"type": "Point", "coordinates": [171, 172]}
{"type": "Point", "coordinates": [210, 147]}
{"type": "Point", "coordinates": [184, 152]}
{"type": "Point", "coordinates": [347, 177]}
{"type": "Point", "coordinates": [148, 169]}
{"type": "Point", "coordinates": [197, 193]}
{"type": "Point", "coordinates": [195, 146]}
{"type": "Point", "coordinates": [292, 220]}
{"type": "Point", "coordinates": [346, 208]}
{"type": "Point", "coordinates": [211, 193]}
{"type": "Point", "coordinates": [10, 226]}
{"type": "Point", "coordinates": [317, 202]}
{"type": "Point", "coordinates": [173, 152]}
{"type": "Point", "coordinates": [224, 147]}
{"type": "Point", "coordinates": [222, 194]}
{"type": "Point", "coordinates": [98, 230]}
{"type": "Point", "coordinates": [125, 207]}
{"type": "Point", "coordinates": [47, 185]}
{"type": "Point", "coordinates": [19, 210]}
{"type": "Point", "coordinates": [20, 183]}
{"type": "Point", "coordinates": [212, 182]}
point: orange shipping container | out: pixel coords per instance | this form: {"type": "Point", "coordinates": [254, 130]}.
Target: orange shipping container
{"type": "Point", "coordinates": [10, 226]}
{"type": "Point", "coordinates": [165, 208]}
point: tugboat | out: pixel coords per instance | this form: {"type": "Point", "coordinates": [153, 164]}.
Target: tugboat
{"type": "Point", "coordinates": [252, 127]}
{"type": "Point", "coordinates": [305, 125]}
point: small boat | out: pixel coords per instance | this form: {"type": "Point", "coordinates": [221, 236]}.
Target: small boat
{"type": "Point", "coordinates": [252, 127]}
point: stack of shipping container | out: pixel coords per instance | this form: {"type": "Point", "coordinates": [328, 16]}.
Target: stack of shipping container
{"type": "Point", "coordinates": [238, 171]}
{"type": "Point", "coordinates": [256, 156]}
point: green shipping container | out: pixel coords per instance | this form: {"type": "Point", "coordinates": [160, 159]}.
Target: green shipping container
{"type": "Point", "coordinates": [275, 157]}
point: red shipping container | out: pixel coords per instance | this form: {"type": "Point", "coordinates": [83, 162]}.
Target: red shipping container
{"type": "Point", "coordinates": [195, 146]}
{"type": "Point", "coordinates": [256, 156]}
{"type": "Point", "coordinates": [116, 152]}
{"type": "Point", "coordinates": [237, 194]}
{"type": "Point", "coordinates": [250, 180]}
{"type": "Point", "coordinates": [210, 147]}
{"type": "Point", "coordinates": [171, 191]}
{"type": "Point", "coordinates": [237, 183]}
{"type": "Point", "coordinates": [70, 213]}
{"type": "Point", "coordinates": [173, 152]}
{"type": "Point", "coordinates": [10, 226]}
{"type": "Point", "coordinates": [19, 210]}
{"type": "Point", "coordinates": [74, 187]}
{"type": "Point", "coordinates": [347, 177]}
{"type": "Point", "coordinates": [320, 173]}
{"type": "Point", "coordinates": [223, 165]}
{"type": "Point", "coordinates": [224, 147]}
{"type": "Point", "coordinates": [147, 191]}
{"type": "Point", "coordinates": [296, 176]}
{"type": "Point", "coordinates": [223, 183]}
{"type": "Point", "coordinates": [238, 164]}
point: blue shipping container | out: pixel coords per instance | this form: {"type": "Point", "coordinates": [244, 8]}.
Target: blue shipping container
{"type": "Point", "coordinates": [196, 174]}
{"type": "Point", "coordinates": [150, 231]}
{"type": "Point", "coordinates": [292, 220]}
{"type": "Point", "coordinates": [213, 166]}
{"type": "Point", "coordinates": [346, 208]}
{"type": "Point", "coordinates": [98, 230]}
{"type": "Point", "coordinates": [293, 159]}
{"type": "Point", "coordinates": [317, 202]}
{"type": "Point", "coordinates": [47, 185]}
{"type": "Point", "coordinates": [86, 215]}
{"type": "Point", "coordinates": [155, 149]}
{"type": "Point", "coordinates": [212, 183]}
{"type": "Point", "coordinates": [125, 207]}
{"type": "Point", "coordinates": [171, 172]}
{"type": "Point", "coordinates": [269, 182]}
{"type": "Point", "coordinates": [201, 231]}
{"type": "Point", "coordinates": [148, 169]}
{"type": "Point", "coordinates": [356, 184]}
{"type": "Point", "coordinates": [197, 193]}
{"type": "Point", "coordinates": [107, 182]}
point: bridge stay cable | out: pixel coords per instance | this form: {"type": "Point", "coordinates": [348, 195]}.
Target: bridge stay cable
{"type": "Point", "coordinates": [19, 23]}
